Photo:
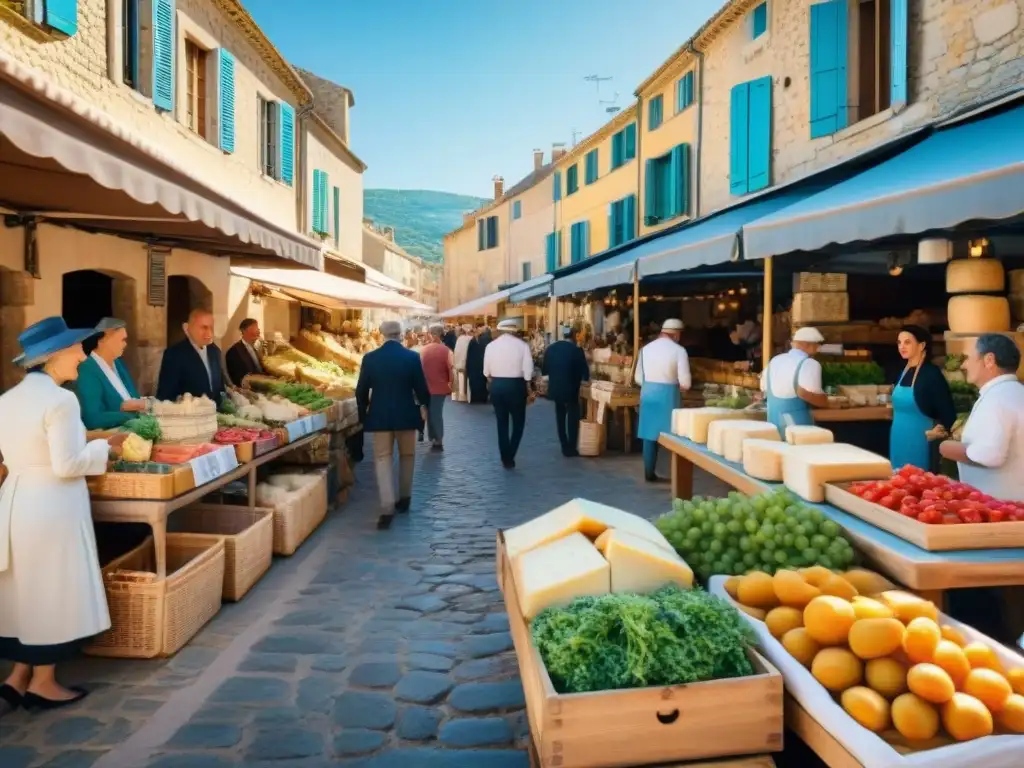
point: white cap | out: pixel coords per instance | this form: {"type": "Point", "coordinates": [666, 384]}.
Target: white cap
{"type": "Point", "coordinates": [671, 325]}
{"type": "Point", "coordinates": [508, 325]}
{"type": "Point", "coordinates": [808, 335]}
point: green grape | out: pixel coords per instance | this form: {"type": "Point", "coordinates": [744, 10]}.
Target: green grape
{"type": "Point", "coordinates": [751, 525]}
{"type": "Point", "coordinates": [792, 523]}
{"type": "Point", "coordinates": [697, 499]}
{"type": "Point", "coordinates": [819, 542]}
{"type": "Point", "coordinates": [800, 530]}
{"type": "Point", "coordinates": [781, 557]}
{"type": "Point", "coordinates": [811, 555]}
{"type": "Point", "coordinates": [715, 546]}
{"type": "Point", "coordinates": [719, 567]}
{"type": "Point", "coordinates": [816, 515]}
{"type": "Point", "coordinates": [714, 517]}
{"type": "Point", "coordinates": [733, 526]}
{"type": "Point", "coordinates": [688, 507]}
{"type": "Point", "coordinates": [760, 537]}
{"type": "Point", "coordinates": [787, 540]}
{"type": "Point", "coordinates": [830, 528]}
{"type": "Point", "coordinates": [699, 515]}
{"type": "Point", "coordinates": [676, 540]}
{"type": "Point", "coordinates": [768, 529]}
{"type": "Point", "coordinates": [768, 545]}
{"type": "Point", "coordinates": [677, 505]}
{"type": "Point", "coordinates": [728, 558]}
{"type": "Point", "coordinates": [693, 534]}
{"type": "Point", "coordinates": [745, 544]}
{"type": "Point", "coordinates": [792, 510]}
{"type": "Point", "coordinates": [750, 560]}
{"type": "Point", "coordinates": [707, 528]}
{"type": "Point", "coordinates": [801, 542]}
{"type": "Point", "coordinates": [759, 503]}
{"type": "Point", "coordinates": [718, 529]}
{"type": "Point", "coordinates": [826, 561]}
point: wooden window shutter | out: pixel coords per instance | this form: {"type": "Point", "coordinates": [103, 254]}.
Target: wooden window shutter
{"type": "Point", "coordinates": [156, 278]}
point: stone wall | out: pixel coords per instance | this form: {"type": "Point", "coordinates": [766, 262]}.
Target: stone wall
{"type": "Point", "coordinates": [332, 102]}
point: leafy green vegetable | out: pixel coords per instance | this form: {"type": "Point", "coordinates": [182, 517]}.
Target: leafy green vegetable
{"type": "Point", "coordinates": [851, 374]}
{"type": "Point", "coordinates": [954, 362]}
{"type": "Point", "coordinates": [146, 427]}
{"type": "Point", "coordinates": [670, 637]}
{"type": "Point", "coordinates": [142, 467]}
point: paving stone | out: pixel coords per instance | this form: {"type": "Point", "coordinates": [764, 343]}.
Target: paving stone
{"type": "Point", "coordinates": [425, 757]}
{"type": "Point", "coordinates": [418, 723]}
{"type": "Point", "coordinates": [453, 590]}
{"type": "Point", "coordinates": [479, 646]}
{"type": "Point", "coordinates": [358, 741]}
{"type": "Point", "coordinates": [477, 669]}
{"type": "Point", "coordinates": [437, 569]}
{"type": "Point", "coordinates": [189, 761]}
{"type": "Point", "coordinates": [115, 733]}
{"type": "Point", "coordinates": [379, 645]}
{"type": "Point", "coordinates": [358, 709]}
{"type": "Point", "coordinates": [316, 694]}
{"type": "Point", "coordinates": [72, 730]}
{"type": "Point", "coordinates": [279, 716]}
{"type": "Point", "coordinates": [307, 618]}
{"type": "Point", "coordinates": [487, 697]}
{"type": "Point", "coordinates": [285, 744]}
{"type": "Point", "coordinates": [423, 603]}
{"type": "Point", "coordinates": [329, 663]}
{"type": "Point", "coordinates": [142, 706]}
{"type": "Point", "coordinates": [494, 622]}
{"type": "Point", "coordinates": [397, 614]}
{"type": "Point", "coordinates": [476, 732]}
{"type": "Point", "coordinates": [244, 689]}
{"type": "Point", "coordinates": [423, 687]}
{"type": "Point", "coordinates": [206, 736]}
{"type": "Point", "coordinates": [300, 644]}
{"type": "Point", "coordinates": [17, 757]}
{"type": "Point", "coordinates": [429, 661]}
{"type": "Point", "coordinates": [434, 646]}
{"type": "Point", "coordinates": [75, 758]}
{"type": "Point", "coordinates": [375, 675]}
{"type": "Point", "coordinates": [268, 662]}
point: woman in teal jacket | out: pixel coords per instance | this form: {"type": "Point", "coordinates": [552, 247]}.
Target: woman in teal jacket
{"type": "Point", "coordinates": [105, 388]}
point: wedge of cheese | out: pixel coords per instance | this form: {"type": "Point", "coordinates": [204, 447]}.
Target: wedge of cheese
{"type": "Point", "coordinates": [557, 573]}
{"type": "Point", "coordinates": [577, 516]}
{"type": "Point", "coordinates": [700, 419]}
{"type": "Point", "coordinates": [799, 434]}
{"type": "Point", "coordinates": [763, 458]}
{"type": "Point", "coordinates": [637, 566]}
{"type": "Point", "coordinates": [657, 539]}
{"type": "Point", "coordinates": [681, 421]}
{"type": "Point", "coordinates": [806, 469]}
{"type": "Point", "coordinates": [725, 438]}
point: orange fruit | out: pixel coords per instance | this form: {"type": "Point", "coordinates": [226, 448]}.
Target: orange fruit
{"type": "Point", "coordinates": [866, 707]}
{"type": "Point", "coordinates": [1016, 678]}
{"type": "Point", "coordinates": [828, 619]}
{"type": "Point", "coordinates": [914, 718]}
{"type": "Point", "coordinates": [981, 656]}
{"type": "Point", "coordinates": [887, 676]}
{"type": "Point", "coordinates": [953, 634]}
{"type": "Point", "coordinates": [868, 608]}
{"type": "Point", "coordinates": [951, 658]}
{"type": "Point", "coordinates": [800, 645]}
{"type": "Point", "coordinates": [966, 718]}
{"type": "Point", "coordinates": [838, 586]}
{"type": "Point", "coordinates": [1011, 716]}
{"type": "Point", "coordinates": [921, 640]}
{"type": "Point", "coordinates": [931, 683]}
{"type": "Point", "coordinates": [989, 687]}
{"type": "Point", "coordinates": [837, 669]}
{"type": "Point", "coordinates": [782, 619]}
{"type": "Point", "coordinates": [875, 638]}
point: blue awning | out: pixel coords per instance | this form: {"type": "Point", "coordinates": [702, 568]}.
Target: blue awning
{"type": "Point", "coordinates": [964, 172]}
{"type": "Point", "coordinates": [531, 289]}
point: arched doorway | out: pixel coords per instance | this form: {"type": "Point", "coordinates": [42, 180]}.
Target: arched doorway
{"type": "Point", "coordinates": [184, 293]}
{"type": "Point", "coordinates": [87, 297]}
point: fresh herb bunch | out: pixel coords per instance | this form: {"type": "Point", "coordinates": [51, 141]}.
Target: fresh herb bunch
{"type": "Point", "coordinates": [954, 362]}
{"type": "Point", "coordinates": [146, 427]}
{"type": "Point", "coordinates": [671, 637]}
{"type": "Point", "coordinates": [851, 374]}
{"type": "Point", "coordinates": [302, 394]}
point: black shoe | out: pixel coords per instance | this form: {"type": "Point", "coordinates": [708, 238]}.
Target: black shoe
{"type": "Point", "coordinates": [437, 447]}
{"type": "Point", "coordinates": [10, 699]}
{"type": "Point", "coordinates": [571, 454]}
{"type": "Point", "coordinates": [421, 437]}
{"type": "Point", "coordinates": [384, 522]}
{"type": "Point", "coordinates": [655, 479]}
{"type": "Point", "coordinates": [402, 505]}
{"type": "Point", "coordinates": [510, 464]}
{"type": "Point", "coordinates": [32, 701]}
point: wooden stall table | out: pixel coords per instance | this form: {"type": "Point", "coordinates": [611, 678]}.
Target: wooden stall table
{"type": "Point", "coordinates": [620, 398]}
{"type": "Point", "coordinates": [155, 513]}
{"type": "Point", "coordinates": [840, 415]}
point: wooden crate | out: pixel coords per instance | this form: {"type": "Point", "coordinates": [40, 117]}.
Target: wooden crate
{"type": "Point", "coordinates": [809, 308]}
{"type": "Point", "coordinates": [137, 485]}
{"type": "Point", "coordinates": [934, 538]}
{"type": "Point", "coordinates": [819, 282]}
{"type": "Point", "coordinates": [753, 761]}
{"type": "Point", "coordinates": [644, 726]}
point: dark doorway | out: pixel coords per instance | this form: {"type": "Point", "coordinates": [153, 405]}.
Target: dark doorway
{"type": "Point", "coordinates": [184, 293]}
{"type": "Point", "coordinates": [86, 298]}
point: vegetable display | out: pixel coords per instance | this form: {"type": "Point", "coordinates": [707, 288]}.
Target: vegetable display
{"type": "Point", "coordinates": [936, 499]}
{"type": "Point", "coordinates": [851, 374]}
{"type": "Point", "coordinates": [735, 402]}
{"type": "Point", "coordinates": [227, 420]}
{"type": "Point", "coordinates": [954, 362]}
{"type": "Point", "coordinates": [234, 435]}
{"type": "Point", "coordinates": [180, 454]}
{"type": "Point", "coordinates": [135, 448]}
{"type": "Point", "coordinates": [146, 427]}
{"type": "Point", "coordinates": [737, 534]}
{"type": "Point", "coordinates": [142, 467]}
{"type": "Point", "coordinates": [185, 406]}
{"type": "Point", "coordinates": [964, 395]}
{"type": "Point", "coordinates": [671, 637]}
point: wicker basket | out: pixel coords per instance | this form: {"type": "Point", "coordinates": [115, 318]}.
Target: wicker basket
{"type": "Point", "coordinates": [318, 451]}
{"type": "Point", "coordinates": [151, 617]}
{"type": "Point", "coordinates": [295, 520]}
{"type": "Point", "coordinates": [197, 428]}
{"type": "Point", "coordinates": [817, 282]}
{"type": "Point", "coordinates": [590, 438]}
{"type": "Point", "coordinates": [248, 541]}
{"type": "Point", "coordinates": [811, 308]}
{"type": "Point", "coordinates": [142, 485]}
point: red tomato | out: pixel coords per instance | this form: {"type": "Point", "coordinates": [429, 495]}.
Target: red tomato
{"type": "Point", "coordinates": [1018, 515]}
{"type": "Point", "coordinates": [888, 502]}
{"type": "Point", "coordinates": [874, 496]}
{"type": "Point", "coordinates": [900, 481]}
{"type": "Point", "coordinates": [971, 516]}
{"type": "Point", "coordinates": [950, 520]}
{"type": "Point", "coordinates": [975, 496]}
{"type": "Point", "coordinates": [995, 516]}
{"type": "Point", "coordinates": [898, 493]}
{"type": "Point", "coordinates": [910, 510]}
{"type": "Point", "coordinates": [929, 494]}
{"type": "Point", "coordinates": [930, 516]}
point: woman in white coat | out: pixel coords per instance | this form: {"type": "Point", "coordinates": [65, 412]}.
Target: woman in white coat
{"type": "Point", "coordinates": [51, 588]}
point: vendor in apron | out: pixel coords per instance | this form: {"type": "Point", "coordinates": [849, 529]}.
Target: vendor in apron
{"type": "Point", "coordinates": [792, 382]}
{"type": "Point", "coordinates": [662, 372]}
{"type": "Point", "coordinates": [921, 402]}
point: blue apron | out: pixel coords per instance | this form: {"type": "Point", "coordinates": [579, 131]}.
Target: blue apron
{"type": "Point", "coordinates": [657, 401]}
{"type": "Point", "coordinates": [786, 411]}
{"type": "Point", "coordinates": [907, 441]}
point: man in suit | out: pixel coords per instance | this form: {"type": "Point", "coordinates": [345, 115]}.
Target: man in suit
{"type": "Point", "coordinates": [192, 366]}
{"type": "Point", "coordinates": [241, 357]}
{"type": "Point", "coordinates": [392, 397]}
{"type": "Point", "coordinates": [566, 367]}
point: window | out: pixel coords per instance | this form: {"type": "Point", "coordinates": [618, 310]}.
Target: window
{"type": "Point", "coordinates": [56, 15]}
{"type": "Point", "coordinates": [591, 171]}
{"type": "Point", "coordinates": [624, 146]}
{"type": "Point", "coordinates": [130, 43]}
{"type": "Point", "coordinates": [527, 270]}
{"type": "Point", "coordinates": [225, 99]}
{"type": "Point", "coordinates": [148, 50]}
{"type": "Point", "coordinates": [556, 186]}
{"type": "Point", "coordinates": [337, 216]}
{"type": "Point", "coordinates": [750, 132]}
{"type": "Point", "coordinates": [759, 20]}
{"type": "Point", "coordinates": [684, 92]}
{"type": "Point", "coordinates": [269, 132]}
{"type": "Point", "coordinates": [195, 88]}
{"type": "Point", "coordinates": [572, 179]}
{"type": "Point", "coordinates": [487, 233]}
{"type": "Point", "coordinates": [553, 250]}
{"type": "Point", "coordinates": [654, 107]}
{"type": "Point", "coordinates": [622, 221]}
{"type": "Point", "coordinates": [667, 186]}
{"type": "Point", "coordinates": [517, 209]}
{"type": "Point", "coordinates": [321, 214]}
{"type": "Point", "coordinates": [492, 231]}
{"type": "Point", "coordinates": [579, 241]}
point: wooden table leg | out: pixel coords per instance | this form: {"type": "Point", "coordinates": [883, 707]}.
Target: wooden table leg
{"type": "Point", "coordinates": [682, 477]}
{"type": "Point", "coordinates": [251, 492]}
{"type": "Point", "coordinates": [160, 547]}
{"type": "Point", "coordinates": [627, 429]}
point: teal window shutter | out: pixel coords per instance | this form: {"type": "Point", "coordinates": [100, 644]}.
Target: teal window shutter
{"type": "Point", "coordinates": [654, 107]}
{"type": "Point", "coordinates": [629, 217]}
{"type": "Point", "coordinates": [679, 178]}
{"type": "Point", "coordinates": [317, 213]}
{"type": "Point", "coordinates": [527, 270]}
{"type": "Point", "coordinates": [286, 119]}
{"type": "Point", "coordinates": [549, 252]}
{"type": "Point", "coordinates": [898, 53]}
{"type": "Point", "coordinates": [828, 67]}
{"type": "Point", "coordinates": [689, 88]}
{"type": "Point", "coordinates": [760, 20]}
{"type": "Point", "coordinates": [618, 149]}
{"type": "Point", "coordinates": [558, 247]}
{"type": "Point", "coordinates": [325, 211]}
{"type": "Point", "coordinates": [556, 192]}
{"type": "Point", "coordinates": [492, 232]}
{"type": "Point", "coordinates": [481, 234]}
{"type": "Point", "coordinates": [591, 166]}
{"type": "Point", "coordinates": [572, 179]}
{"type": "Point", "coordinates": [630, 141]}
{"type": "Point", "coordinates": [517, 209]}
{"type": "Point", "coordinates": [62, 15]}
{"type": "Point", "coordinates": [337, 216]}
{"type": "Point", "coordinates": [738, 108]}
{"type": "Point", "coordinates": [759, 132]}
{"type": "Point", "coordinates": [163, 54]}
{"type": "Point", "coordinates": [684, 92]}
{"type": "Point", "coordinates": [651, 192]}
{"type": "Point", "coordinates": [586, 240]}
{"type": "Point", "coordinates": [226, 99]}
{"type": "Point", "coordinates": [573, 237]}
{"type": "Point", "coordinates": [614, 223]}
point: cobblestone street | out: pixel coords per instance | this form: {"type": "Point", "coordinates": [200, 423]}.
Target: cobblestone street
{"type": "Point", "coordinates": [366, 648]}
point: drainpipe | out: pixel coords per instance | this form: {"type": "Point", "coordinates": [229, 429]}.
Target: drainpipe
{"type": "Point", "coordinates": [300, 197]}
{"type": "Point", "coordinates": [639, 171]}
{"type": "Point", "coordinates": [700, 125]}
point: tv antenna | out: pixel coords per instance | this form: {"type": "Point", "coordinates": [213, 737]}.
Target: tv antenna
{"type": "Point", "coordinates": [610, 105]}
{"type": "Point", "coordinates": [575, 133]}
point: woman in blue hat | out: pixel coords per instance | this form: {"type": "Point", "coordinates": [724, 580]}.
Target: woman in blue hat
{"type": "Point", "coordinates": [105, 389]}
{"type": "Point", "coordinates": [51, 588]}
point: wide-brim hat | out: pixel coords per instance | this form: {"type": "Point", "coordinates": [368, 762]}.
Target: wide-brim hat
{"type": "Point", "coordinates": [42, 339]}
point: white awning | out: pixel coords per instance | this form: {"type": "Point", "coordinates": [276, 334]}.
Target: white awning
{"type": "Point", "coordinates": [378, 278]}
{"type": "Point", "coordinates": [476, 306]}
{"type": "Point", "coordinates": [323, 289]}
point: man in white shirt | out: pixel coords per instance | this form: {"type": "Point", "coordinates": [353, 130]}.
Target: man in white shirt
{"type": "Point", "coordinates": [663, 373]}
{"type": "Point", "coordinates": [990, 454]}
{"type": "Point", "coordinates": [792, 382]}
{"type": "Point", "coordinates": [461, 349]}
{"type": "Point", "coordinates": [508, 366]}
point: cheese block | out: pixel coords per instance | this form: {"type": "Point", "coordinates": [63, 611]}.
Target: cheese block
{"type": "Point", "coordinates": [681, 421]}
{"type": "Point", "coordinates": [979, 314]}
{"type": "Point", "coordinates": [601, 542]}
{"type": "Point", "coordinates": [557, 573]}
{"type": "Point", "coordinates": [975, 276]}
{"type": "Point", "coordinates": [763, 459]}
{"type": "Point", "coordinates": [806, 469]}
{"type": "Point", "coordinates": [736, 431]}
{"type": "Point", "coordinates": [700, 419]}
{"type": "Point", "coordinates": [577, 516]}
{"type": "Point", "coordinates": [639, 567]}
{"type": "Point", "coordinates": [800, 434]}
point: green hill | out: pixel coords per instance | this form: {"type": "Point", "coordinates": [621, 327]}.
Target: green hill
{"type": "Point", "coordinates": [420, 217]}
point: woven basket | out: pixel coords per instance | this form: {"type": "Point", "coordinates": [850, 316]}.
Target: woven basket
{"type": "Point", "coordinates": [188, 429]}
{"type": "Point", "coordinates": [820, 308]}
{"type": "Point", "coordinates": [318, 451]}
{"type": "Point", "coordinates": [248, 541]}
{"type": "Point", "coordinates": [151, 617]}
{"type": "Point", "coordinates": [295, 520]}
{"type": "Point", "coordinates": [590, 438]}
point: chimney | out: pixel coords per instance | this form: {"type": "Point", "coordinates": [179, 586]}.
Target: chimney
{"type": "Point", "coordinates": [499, 186]}
{"type": "Point", "coordinates": [538, 159]}
{"type": "Point", "coordinates": [557, 151]}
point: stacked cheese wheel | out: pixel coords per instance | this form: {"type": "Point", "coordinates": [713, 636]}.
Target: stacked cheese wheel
{"type": "Point", "coordinates": [970, 310]}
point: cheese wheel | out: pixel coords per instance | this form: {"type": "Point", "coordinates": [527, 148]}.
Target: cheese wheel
{"type": "Point", "coordinates": [763, 458]}
{"type": "Point", "coordinates": [979, 314]}
{"type": "Point", "coordinates": [718, 430]}
{"type": "Point", "coordinates": [801, 434]}
{"type": "Point", "coordinates": [733, 439]}
{"type": "Point", "coordinates": [681, 421]}
{"type": "Point", "coordinates": [975, 276]}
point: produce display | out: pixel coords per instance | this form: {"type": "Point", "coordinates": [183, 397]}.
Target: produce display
{"type": "Point", "coordinates": [225, 420]}
{"type": "Point", "coordinates": [180, 454]}
{"type": "Point", "coordinates": [235, 435]}
{"type": "Point", "coordinates": [840, 374]}
{"type": "Point", "coordinates": [301, 394]}
{"type": "Point", "coordinates": [287, 362]}
{"type": "Point", "coordinates": [135, 448]}
{"type": "Point", "coordinates": [964, 395]}
{"type": "Point", "coordinates": [187, 405]}
{"type": "Point", "coordinates": [141, 467]}
{"type": "Point", "coordinates": [885, 655]}
{"type": "Point", "coordinates": [737, 534]}
{"type": "Point", "coordinates": [935, 499]}
{"type": "Point", "coordinates": [763, 459]}
{"type": "Point", "coordinates": [806, 469]}
{"type": "Point", "coordinates": [257, 407]}
{"type": "Point", "coordinates": [146, 427]}
{"type": "Point", "coordinates": [670, 637]}
{"type": "Point", "coordinates": [734, 402]}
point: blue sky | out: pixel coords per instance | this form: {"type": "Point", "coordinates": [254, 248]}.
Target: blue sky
{"type": "Point", "coordinates": [452, 92]}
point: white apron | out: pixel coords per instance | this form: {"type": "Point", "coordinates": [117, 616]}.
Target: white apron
{"type": "Point", "coordinates": [51, 589]}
